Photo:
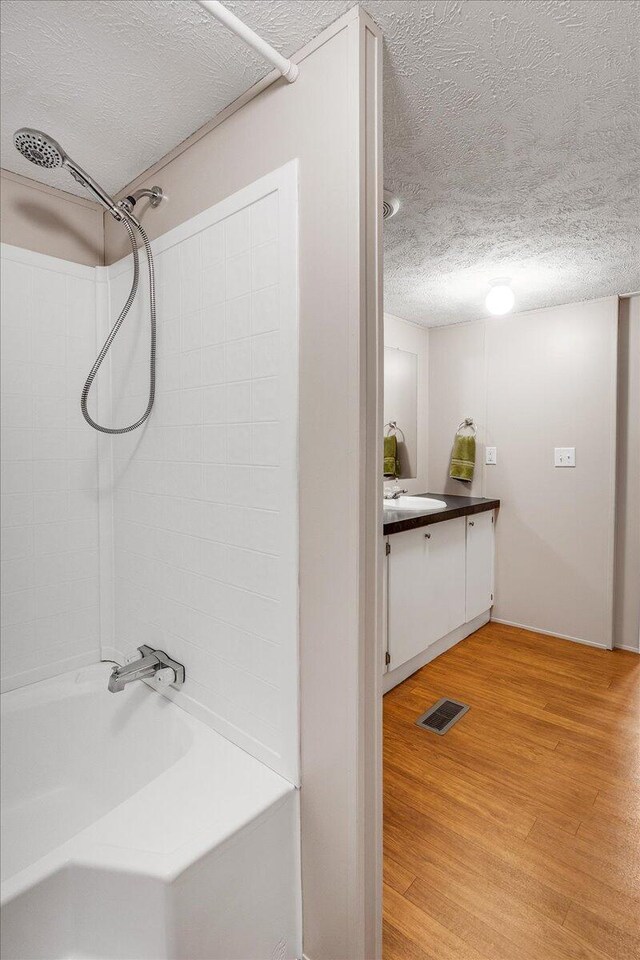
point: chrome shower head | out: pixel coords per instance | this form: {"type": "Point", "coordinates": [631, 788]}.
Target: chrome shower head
{"type": "Point", "coordinates": [39, 148]}
{"type": "Point", "coordinates": [44, 151]}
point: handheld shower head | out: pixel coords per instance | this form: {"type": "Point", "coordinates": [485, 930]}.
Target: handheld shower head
{"type": "Point", "coordinates": [39, 148]}
{"type": "Point", "coordinates": [44, 151]}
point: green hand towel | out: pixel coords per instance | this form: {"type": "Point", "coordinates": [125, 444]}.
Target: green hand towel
{"type": "Point", "coordinates": [463, 458]}
{"type": "Point", "coordinates": [390, 467]}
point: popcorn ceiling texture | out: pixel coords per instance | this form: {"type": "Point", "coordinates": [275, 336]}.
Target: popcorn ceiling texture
{"type": "Point", "coordinates": [511, 128]}
{"type": "Point", "coordinates": [512, 137]}
{"type": "Point", "coordinates": [118, 82]}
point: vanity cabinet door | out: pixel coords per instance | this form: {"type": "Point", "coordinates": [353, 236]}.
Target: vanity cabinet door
{"type": "Point", "coordinates": [426, 587]}
{"type": "Point", "coordinates": [445, 577]}
{"type": "Point", "coordinates": [479, 578]}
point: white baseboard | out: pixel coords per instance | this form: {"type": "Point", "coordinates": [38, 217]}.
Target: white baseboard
{"type": "Point", "coordinates": [626, 646]}
{"type": "Point", "coordinates": [550, 633]}
{"type": "Point", "coordinates": [394, 677]}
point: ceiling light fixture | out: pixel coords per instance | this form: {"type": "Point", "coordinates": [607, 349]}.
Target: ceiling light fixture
{"type": "Point", "coordinates": [500, 298]}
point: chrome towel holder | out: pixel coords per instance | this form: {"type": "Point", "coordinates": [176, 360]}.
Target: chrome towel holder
{"type": "Point", "coordinates": [392, 428]}
{"type": "Point", "coordinates": [467, 422]}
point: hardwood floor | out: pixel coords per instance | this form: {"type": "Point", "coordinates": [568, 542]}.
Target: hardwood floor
{"type": "Point", "coordinates": [516, 836]}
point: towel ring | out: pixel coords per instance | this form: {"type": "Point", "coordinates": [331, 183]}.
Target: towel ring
{"type": "Point", "coordinates": [467, 422]}
{"type": "Point", "coordinates": [393, 428]}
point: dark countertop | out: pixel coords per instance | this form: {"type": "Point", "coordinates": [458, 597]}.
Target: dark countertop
{"type": "Point", "coordinates": [397, 521]}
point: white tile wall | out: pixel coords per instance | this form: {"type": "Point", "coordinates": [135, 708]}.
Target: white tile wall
{"type": "Point", "coordinates": [199, 526]}
{"type": "Point", "coordinates": [49, 469]}
{"type": "Point", "coordinates": [205, 496]}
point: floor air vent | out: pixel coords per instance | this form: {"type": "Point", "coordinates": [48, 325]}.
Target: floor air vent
{"type": "Point", "coordinates": [442, 715]}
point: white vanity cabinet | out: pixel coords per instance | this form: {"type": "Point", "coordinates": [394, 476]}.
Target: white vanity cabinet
{"type": "Point", "coordinates": [439, 589]}
{"type": "Point", "coordinates": [426, 587]}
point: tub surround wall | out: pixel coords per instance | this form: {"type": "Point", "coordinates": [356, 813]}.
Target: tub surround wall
{"type": "Point", "coordinates": [192, 522]}
{"type": "Point", "coordinates": [50, 569]}
{"type": "Point", "coordinates": [205, 494]}
{"type": "Point", "coordinates": [533, 382]}
{"type": "Point", "coordinates": [52, 241]}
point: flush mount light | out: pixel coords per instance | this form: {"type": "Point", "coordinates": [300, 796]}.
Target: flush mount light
{"type": "Point", "coordinates": [500, 298]}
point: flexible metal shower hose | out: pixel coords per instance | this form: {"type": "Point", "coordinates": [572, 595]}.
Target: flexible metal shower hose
{"type": "Point", "coordinates": [114, 331]}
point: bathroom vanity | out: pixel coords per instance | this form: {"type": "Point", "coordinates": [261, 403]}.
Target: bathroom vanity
{"type": "Point", "coordinates": [439, 577]}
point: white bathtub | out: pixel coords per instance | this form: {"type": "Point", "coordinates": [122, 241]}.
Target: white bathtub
{"type": "Point", "coordinates": [131, 830]}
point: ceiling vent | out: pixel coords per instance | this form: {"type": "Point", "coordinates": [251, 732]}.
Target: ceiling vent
{"type": "Point", "coordinates": [390, 205]}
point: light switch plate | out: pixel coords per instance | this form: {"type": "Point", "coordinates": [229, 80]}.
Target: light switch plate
{"type": "Point", "coordinates": [564, 457]}
{"type": "Point", "coordinates": [490, 454]}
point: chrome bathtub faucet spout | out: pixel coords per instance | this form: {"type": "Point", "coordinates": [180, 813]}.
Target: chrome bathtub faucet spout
{"type": "Point", "coordinates": [151, 664]}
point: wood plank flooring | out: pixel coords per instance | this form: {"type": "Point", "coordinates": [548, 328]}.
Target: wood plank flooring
{"type": "Point", "coordinates": [516, 836]}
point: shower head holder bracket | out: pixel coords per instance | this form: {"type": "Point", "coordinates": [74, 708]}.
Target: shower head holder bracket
{"type": "Point", "coordinates": [154, 194]}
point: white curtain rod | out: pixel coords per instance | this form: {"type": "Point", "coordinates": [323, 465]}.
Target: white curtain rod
{"type": "Point", "coordinates": [287, 68]}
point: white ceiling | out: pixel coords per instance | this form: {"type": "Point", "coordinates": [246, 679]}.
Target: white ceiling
{"type": "Point", "coordinates": [119, 83]}
{"type": "Point", "coordinates": [513, 136]}
{"type": "Point", "coordinates": [512, 129]}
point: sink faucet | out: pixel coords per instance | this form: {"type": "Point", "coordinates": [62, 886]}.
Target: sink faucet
{"type": "Point", "coordinates": [151, 663]}
{"type": "Point", "coordinates": [395, 492]}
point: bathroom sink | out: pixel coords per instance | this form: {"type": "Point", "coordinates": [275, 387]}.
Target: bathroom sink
{"type": "Point", "coordinates": [416, 504]}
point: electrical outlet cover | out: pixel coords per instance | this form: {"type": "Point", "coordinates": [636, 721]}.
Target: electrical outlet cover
{"type": "Point", "coordinates": [564, 457]}
{"type": "Point", "coordinates": [491, 455]}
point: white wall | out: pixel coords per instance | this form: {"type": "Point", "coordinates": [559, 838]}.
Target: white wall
{"type": "Point", "coordinates": [205, 553]}
{"type": "Point", "coordinates": [50, 221]}
{"type": "Point", "coordinates": [403, 335]}
{"type": "Point", "coordinates": [50, 616]}
{"type": "Point", "coordinates": [457, 390]}
{"type": "Point", "coordinates": [627, 565]}
{"type": "Point", "coordinates": [535, 381]}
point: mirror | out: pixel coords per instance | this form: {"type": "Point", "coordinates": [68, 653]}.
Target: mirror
{"type": "Point", "coordinates": [401, 405]}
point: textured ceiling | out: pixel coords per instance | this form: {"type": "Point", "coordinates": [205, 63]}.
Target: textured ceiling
{"type": "Point", "coordinates": [119, 83]}
{"type": "Point", "coordinates": [511, 128]}
{"type": "Point", "coordinates": [512, 135]}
